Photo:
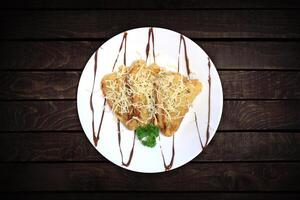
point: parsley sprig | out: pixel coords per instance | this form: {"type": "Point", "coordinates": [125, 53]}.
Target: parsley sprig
{"type": "Point", "coordinates": [147, 134]}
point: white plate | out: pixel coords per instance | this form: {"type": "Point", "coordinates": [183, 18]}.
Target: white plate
{"type": "Point", "coordinates": [187, 144]}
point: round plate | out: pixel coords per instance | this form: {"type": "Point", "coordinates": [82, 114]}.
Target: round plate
{"type": "Point", "coordinates": [171, 49]}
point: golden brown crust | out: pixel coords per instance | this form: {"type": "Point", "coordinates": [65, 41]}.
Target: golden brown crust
{"type": "Point", "coordinates": [169, 125]}
{"type": "Point", "coordinates": [138, 114]}
{"type": "Point", "coordinates": [126, 119]}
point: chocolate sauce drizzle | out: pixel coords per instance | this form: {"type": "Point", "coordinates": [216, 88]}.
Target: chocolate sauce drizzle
{"type": "Point", "coordinates": [209, 94]}
{"type": "Point", "coordinates": [132, 148]}
{"type": "Point", "coordinates": [169, 166]}
{"type": "Point", "coordinates": [187, 64]}
{"type": "Point", "coordinates": [124, 41]}
{"type": "Point", "coordinates": [150, 35]}
{"type": "Point", "coordinates": [96, 136]}
{"type": "Point", "coordinates": [196, 122]}
{"type": "Point", "coordinates": [91, 101]}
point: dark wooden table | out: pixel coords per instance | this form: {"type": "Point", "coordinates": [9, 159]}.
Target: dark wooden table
{"type": "Point", "coordinates": [44, 46]}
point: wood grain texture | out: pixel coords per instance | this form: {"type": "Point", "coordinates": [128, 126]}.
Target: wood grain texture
{"type": "Point", "coordinates": [39, 85]}
{"type": "Point", "coordinates": [192, 23]}
{"type": "Point", "coordinates": [236, 85]}
{"type": "Point", "coordinates": [109, 177]}
{"type": "Point", "coordinates": [260, 84]}
{"type": "Point", "coordinates": [74, 146]}
{"type": "Point", "coordinates": [62, 115]}
{"type": "Point", "coordinates": [39, 115]}
{"type": "Point", "coordinates": [144, 4]}
{"type": "Point", "coordinates": [44, 152]}
{"type": "Point", "coordinates": [33, 55]}
{"type": "Point", "coordinates": [46, 55]}
{"type": "Point", "coordinates": [150, 195]}
{"type": "Point", "coordinates": [253, 55]}
{"type": "Point", "coordinates": [260, 115]}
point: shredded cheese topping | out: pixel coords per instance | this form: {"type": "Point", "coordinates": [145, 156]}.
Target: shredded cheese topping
{"type": "Point", "coordinates": [144, 91]}
{"type": "Point", "coordinates": [172, 93]}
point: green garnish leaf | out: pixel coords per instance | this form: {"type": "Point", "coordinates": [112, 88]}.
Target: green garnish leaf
{"type": "Point", "coordinates": [147, 134]}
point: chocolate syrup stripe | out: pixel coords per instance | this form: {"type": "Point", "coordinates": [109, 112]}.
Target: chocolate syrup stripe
{"type": "Point", "coordinates": [187, 63]}
{"type": "Point", "coordinates": [209, 105]}
{"type": "Point", "coordinates": [196, 121]}
{"type": "Point", "coordinates": [188, 73]}
{"type": "Point", "coordinates": [96, 137]}
{"type": "Point", "coordinates": [169, 166]}
{"type": "Point", "coordinates": [150, 36]}
{"type": "Point", "coordinates": [150, 33]}
{"type": "Point", "coordinates": [91, 100]}
{"type": "Point", "coordinates": [101, 120]}
{"type": "Point", "coordinates": [124, 41]}
{"type": "Point", "coordinates": [132, 148]}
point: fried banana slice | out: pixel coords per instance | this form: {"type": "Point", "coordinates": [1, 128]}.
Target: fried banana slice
{"type": "Point", "coordinates": [117, 93]}
{"type": "Point", "coordinates": [174, 94]}
{"type": "Point", "coordinates": [129, 93]}
{"type": "Point", "coordinates": [140, 80]}
{"type": "Point", "coordinates": [140, 95]}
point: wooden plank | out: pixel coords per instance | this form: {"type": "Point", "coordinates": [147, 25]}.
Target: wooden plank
{"type": "Point", "coordinates": [225, 55]}
{"type": "Point", "coordinates": [192, 23]}
{"type": "Point", "coordinates": [253, 55]}
{"type": "Point", "coordinates": [150, 195]}
{"type": "Point", "coordinates": [109, 177]}
{"type": "Point", "coordinates": [260, 84]}
{"type": "Point", "coordinates": [46, 55]}
{"type": "Point", "coordinates": [74, 146]}
{"type": "Point", "coordinates": [39, 85]}
{"type": "Point", "coordinates": [62, 115]}
{"type": "Point", "coordinates": [154, 4]}
{"type": "Point", "coordinates": [236, 85]}
{"type": "Point", "coordinates": [260, 115]}
{"type": "Point", "coordinates": [39, 115]}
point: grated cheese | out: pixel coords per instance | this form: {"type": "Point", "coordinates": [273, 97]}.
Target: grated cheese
{"type": "Point", "coordinates": [141, 89]}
